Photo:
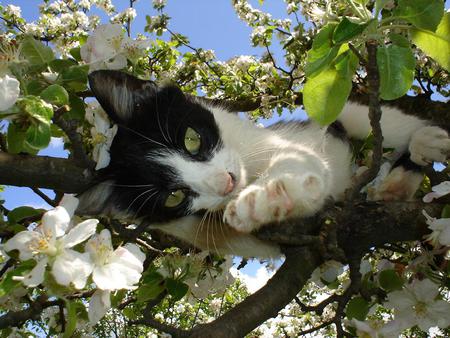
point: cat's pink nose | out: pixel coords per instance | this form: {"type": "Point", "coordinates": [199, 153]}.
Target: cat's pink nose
{"type": "Point", "coordinates": [230, 183]}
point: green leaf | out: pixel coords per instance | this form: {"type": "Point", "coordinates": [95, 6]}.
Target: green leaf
{"type": "Point", "coordinates": [425, 14]}
{"type": "Point", "coordinates": [357, 308]}
{"type": "Point", "coordinates": [36, 52]}
{"type": "Point", "coordinates": [7, 283]}
{"type": "Point", "coordinates": [18, 214]}
{"type": "Point", "coordinates": [38, 135]}
{"type": "Point", "coordinates": [77, 109]}
{"type": "Point", "coordinates": [58, 65]}
{"type": "Point", "coordinates": [435, 44]}
{"type": "Point", "coordinates": [399, 40]}
{"type": "Point", "coordinates": [36, 108]}
{"type": "Point", "coordinates": [76, 53]}
{"type": "Point", "coordinates": [75, 310]}
{"type": "Point", "coordinates": [389, 280]}
{"type": "Point", "coordinates": [75, 78]}
{"type": "Point", "coordinates": [15, 137]}
{"type": "Point", "coordinates": [55, 94]}
{"type": "Point", "coordinates": [35, 87]}
{"type": "Point", "coordinates": [322, 51]}
{"type": "Point", "coordinates": [325, 94]}
{"type": "Point", "coordinates": [379, 5]}
{"type": "Point", "coordinates": [396, 67]}
{"type": "Point", "coordinates": [445, 213]}
{"type": "Point", "coordinates": [177, 289]}
{"type": "Point", "coordinates": [346, 30]}
{"type": "Point", "coordinates": [149, 291]}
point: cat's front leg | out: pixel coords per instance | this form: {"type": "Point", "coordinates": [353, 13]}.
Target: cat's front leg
{"type": "Point", "coordinates": [278, 196]}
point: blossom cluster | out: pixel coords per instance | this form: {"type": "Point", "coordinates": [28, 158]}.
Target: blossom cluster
{"type": "Point", "coordinates": [54, 242]}
{"type": "Point", "coordinates": [109, 48]}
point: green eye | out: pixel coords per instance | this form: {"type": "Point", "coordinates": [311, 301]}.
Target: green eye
{"type": "Point", "coordinates": [192, 141]}
{"type": "Point", "coordinates": [175, 198]}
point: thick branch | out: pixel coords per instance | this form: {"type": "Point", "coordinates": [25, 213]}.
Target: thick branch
{"type": "Point", "coordinates": [421, 106]}
{"type": "Point", "coordinates": [44, 172]}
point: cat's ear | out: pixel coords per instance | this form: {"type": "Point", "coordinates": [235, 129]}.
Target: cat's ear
{"type": "Point", "coordinates": [119, 93]}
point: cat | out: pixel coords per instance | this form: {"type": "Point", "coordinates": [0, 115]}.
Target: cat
{"type": "Point", "coordinates": [200, 173]}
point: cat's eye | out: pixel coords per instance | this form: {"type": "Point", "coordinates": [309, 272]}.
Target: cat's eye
{"type": "Point", "coordinates": [175, 198]}
{"type": "Point", "coordinates": [192, 141]}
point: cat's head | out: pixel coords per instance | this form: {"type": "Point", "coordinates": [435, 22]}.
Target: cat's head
{"type": "Point", "coordinates": [168, 158]}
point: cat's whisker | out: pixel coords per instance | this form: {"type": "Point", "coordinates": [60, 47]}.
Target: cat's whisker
{"type": "Point", "coordinates": [199, 228]}
{"type": "Point", "coordinates": [143, 136]}
{"type": "Point", "coordinates": [126, 185]}
{"type": "Point", "coordinates": [213, 225]}
{"type": "Point", "coordinates": [145, 202]}
{"type": "Point", "coordinates": [141, 194]}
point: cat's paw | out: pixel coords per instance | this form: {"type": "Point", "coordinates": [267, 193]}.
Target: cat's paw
{"type": "Point", "coordinates": [274, 201]}
{"type": "Point", "coordinates": [429, 144]}
{"type": "Point", "coordinates": [399, 185]}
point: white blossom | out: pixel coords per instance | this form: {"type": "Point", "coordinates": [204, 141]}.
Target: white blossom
{"type": "Point", "coordinates": [13, 11]}
{"type": "Point", "coordinates": [328, 272]}
{"type": "Point", "coordinates": [102, 49]}
{"type": "Point", "coordinates": [376, 329]}
{"type": "Point", "coordinates": [51, 243]}
{"type": "Point", "coordinates": [108, 48]}
{"type": "Point", "coordinates": [114, 269]}
{"type": "Point", "coordinates": [127, 15]}
{"type": "Point", "coordinates": [417, 304]}
{"type": "Point", "coordinates": [440, 230]}
{"type": "Point", "coordinates": [9, 91]}
{"type": "Point", "coordinates": [439, 190]}
{"type": "Point", "coordinates": [102, 134]}
{"type": "Point", "coordinates": [99, 304]}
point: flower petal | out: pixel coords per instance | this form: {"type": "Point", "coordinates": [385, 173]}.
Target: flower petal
{"type": "Point", "coordinates": [98, 306]}
{"type": "Point", "coordinates": [55, 222]}
{"type": "Point", "coordinates": [70, 203]}
{"type": "Point", "coordinates": [9, 92]}
{"type": "Point", "coordinates": [425, 290]}
{"type": "Point", "coordinates": [36, 276]}
{"type": "Point", "coordinates": [109, 277]}
{"type": "Point", "coordinates": [80, 233]}
{"type": "Point", "coordinates": [72, 267]}
{"type": "Point", "coordinates": [21, 241]}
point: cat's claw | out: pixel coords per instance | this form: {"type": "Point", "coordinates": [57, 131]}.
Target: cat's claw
{"type": "Point", "coordinates": [274, 201]}
{"type": "Point", "coordinates": [429, 144]}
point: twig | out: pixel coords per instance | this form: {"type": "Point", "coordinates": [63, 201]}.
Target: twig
{"type": "Point", "coordinates": [75, 138]}
{"type": "Point", "coordinates": [47, 199]}
{"type": "Point", "coordinates": [18, 318]}
{"type": "Point", "coordinates": [314, 329]}
{"type": "Point", "coordinates": [373, 79]}
{"type": "Point", "coordinates": [9, 263]}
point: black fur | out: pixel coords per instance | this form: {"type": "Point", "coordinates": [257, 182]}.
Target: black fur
{"type": "Point", "coordinates": [139, 140]}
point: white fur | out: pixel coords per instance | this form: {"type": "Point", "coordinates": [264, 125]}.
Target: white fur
{"type": "Point", "coordinates": [429, 144]}
{"type": "Point", "coordinates": [397, 127]}
{"type": "Point", "coordinates": [291, 171]}
{"type": "Point", "coordinates": [208, 178]}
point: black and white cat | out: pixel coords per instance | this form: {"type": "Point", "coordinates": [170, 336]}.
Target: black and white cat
{"type": "Point", "coordinates": [201, 173]}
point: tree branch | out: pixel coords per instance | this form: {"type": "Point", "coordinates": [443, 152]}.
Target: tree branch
{"type": "Point", "coordinates": [44, 172]}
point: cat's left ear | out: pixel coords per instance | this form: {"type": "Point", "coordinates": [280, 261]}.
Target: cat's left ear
{"type": "Point", "coordinates": [119, 93]}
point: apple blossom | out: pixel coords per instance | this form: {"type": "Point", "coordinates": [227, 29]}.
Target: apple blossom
{"type": "Point", "coordinates": [99, 304]}
{"type": "Point", "coordinates": [440, 230]}
{"type": "Point", "coordinates": [328, 272]}
{"type": "Point", "coordinates": [102, 134]}
{"type": "Point", "coordinates": [9, 92]}
{"type": "Point", "coordinates": [376, 329]}
{"type": "Point", "coordinates": [439, 190]}
{"type": "Point", "coordinates": [418, 304]}
{"type": "Point", "coordinates": [50, 243]}
{"type": "Point", "coordinates": [114, 269]}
